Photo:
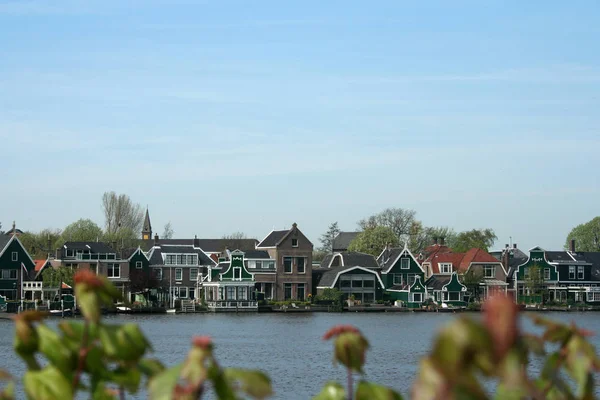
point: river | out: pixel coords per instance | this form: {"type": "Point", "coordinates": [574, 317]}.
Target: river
{"type": "Point", "coordinates": [289, 346]}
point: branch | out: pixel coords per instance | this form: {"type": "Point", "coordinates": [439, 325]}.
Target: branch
{"type": "Point", "coordinates": [83, 350]}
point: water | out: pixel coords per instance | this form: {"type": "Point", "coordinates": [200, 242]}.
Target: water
{"type": "Point", "coordinates": [289, 346]}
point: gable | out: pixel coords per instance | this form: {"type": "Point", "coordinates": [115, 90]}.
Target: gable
{"type": "Point", "coordinates": [417, 286]}
{"type": "Point", "coordinates": [537, 258]}
{"type": "Point", "coordinates": [6, 257]}
{"type": "Point", "coordinates": [288, 241]}
{"type": "Point", "coordinates": [405, 259]}
{"type": "Point", "coordinates": [237, 266]}
{"type": "Point", "coordinates": [454, 285]}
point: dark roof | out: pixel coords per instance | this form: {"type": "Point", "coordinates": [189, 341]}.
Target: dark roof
{"type": "Point", "coordinates": [342, 240]}
{"type": "Point", "coordinates": [3, 241]}
{"type": "Point", "coordinates": [592, 257]}
{"type": "Point", "coordinates": [328, 277]}
{"type": "Point", "coordinates": [93, 247]}
{"type": "Point", "coordinates": [208, 245]}
{"type": "Point", "coordinates": [352, 259]}
{"type": "Point", "coordinates": [256, 254]}
{"type": "Point", "coordinates": [147, 225]}
{"type": "Point", "coordinates": [516, 257]}
{"type": "Point", "coordinates": [559, 257]}
{"type": "Point", "coordinates": [390, 256]}
{"type": "Point", "coordinates": [13, 230]}
{"type": "Point", "coordinates": [273, 238]}
{"type": "Point", "coordinates": [436, 282]}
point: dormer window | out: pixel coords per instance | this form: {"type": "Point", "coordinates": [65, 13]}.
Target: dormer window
{"type": "Point", "coordinates": [294, 242]}
{"type": "Point", "coordinates": [445, 268]}
{"type": "Point", "coordinates": [404, 263]}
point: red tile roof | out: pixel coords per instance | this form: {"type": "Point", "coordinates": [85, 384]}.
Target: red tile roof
{"type": "Point", "coordinates": [39, 264]}
{"type": "Point", "coordinates": [476, 256]}
{"type": "Point", "coordinates": [65, 286]}
{"type": "Point", "coordinates": [453, 258]}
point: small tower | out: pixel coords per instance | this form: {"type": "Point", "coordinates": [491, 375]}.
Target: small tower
{"type": "Point", "coordinates": [147, 229]}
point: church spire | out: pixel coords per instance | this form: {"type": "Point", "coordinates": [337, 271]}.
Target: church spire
{"type": "Point", "coordinates": [147, 229]}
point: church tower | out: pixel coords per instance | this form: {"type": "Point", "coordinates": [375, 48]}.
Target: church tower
{"type": "Point", "coordinates": [147, 229]}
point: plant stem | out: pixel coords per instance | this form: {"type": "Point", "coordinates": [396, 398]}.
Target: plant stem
{"type": "Point", "coordinates": [350, 391]}
{"type": "Point", "coordinates": [83, 350]}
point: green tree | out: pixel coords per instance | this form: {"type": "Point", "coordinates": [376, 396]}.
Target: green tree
{"type": "Point", "coordinates": [319, 255]}
{"type": "Point", "coordinates": [421, 236]}
{"type": "Point", "coordinates": [373, 240]}
{"type": "Point", "coordinates": [82, 230]}
{"type": "Point", "coordinates": [52, 277]}
{"type": "Point", "coordinates": [471, 279]}
{"type": "Point", "coordinates": [399, 220]}
{"type": "Point", "coordinates": [534, 281]}
{"type": "Point", "coordinates": [40, 244]}
{"type": "Point", "coordinates": [328, 237]}
{"type": "Point", "coordinates": [586, 236]}
{"type": "Point", "coordinates": [476, 238]}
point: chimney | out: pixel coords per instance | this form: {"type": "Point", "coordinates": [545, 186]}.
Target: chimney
{"type": "Point", "coordinates": [156, 239]}
{"type": "Point", "coordinates": [506, 246]}
{"type": "Point", "coordinates": [515, 246]}
{"type": "Point", "coordinates": [294, 226]}
{"type": "Point", "coordinates": [442, 241]}
{"type": "Point", "coordinates": [572, 245]}
{"type": "Point", "coordinates": [196, 241]}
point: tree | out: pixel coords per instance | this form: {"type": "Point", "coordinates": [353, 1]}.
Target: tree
{"type": "Point", "coordinates": [82, 230]}
{"type": "Point", "coordinates": [52, 277]}
{"type": "Point", "coordinates": [42, 243]}
{"type": "Point", "coordinates": [328, 237]}
{"type": "Point", "coordinates": [319, 255]}
{"type": "Point", "coordinates": [471, 279]}
{"type": "Point", "coordinates": [477, 238]}
{"type": "Point", "coordinates": [168, 231]}
{"type": "Point", "coordinates": [400, 221]}
{"type": "Point", "coordinates": [586, 236]}
{"type": "Point", "coordinates": [235, 236]}
{"type": "Point", "coordinates": [373, 240]}
{"type": "Point", "coordinates": [121, 214]}
{"type": "Point", "coordinates": [535, 281]}
{"type": "Point", "coordinates": [421, 237]}
{"type": "Point", "coordinates": [142, 279]}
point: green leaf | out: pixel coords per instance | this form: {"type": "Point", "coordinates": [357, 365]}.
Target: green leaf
{"type": "Point", "coordinates": [124, 342]}
{"type": "Point", "coordinates": [56, 351]}
{"type": "Point", "coordinates": [8, 393]}
{"type": "Point", "coordinates": [254, 383]}
{"type": "Point", "coordinates": [129, 378]}
{"type": "Point", "coordinates": [102, 393]}
{"type": "Point", "coordinates": [331, 391]}
{"type": "Point", "coordinates": [161, 386]}
{"type": "Point", "coordinates": [47, 384]}
{"type": "Point", "coordinates": [150, 367]}
{"type": "Point", "coordinates": [370, 391]}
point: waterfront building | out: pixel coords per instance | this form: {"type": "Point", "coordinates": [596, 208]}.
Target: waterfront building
{"type": "Point", "coordinates": [292, 252]}
{"type": "Point", "coordinates": [447, 289]}
{"type": "Point", "coordinates": [15, 264]}
{"type": "Point", "coordinates": [403, 276]}
{"type": "Point", "coordinates": [230, 286]}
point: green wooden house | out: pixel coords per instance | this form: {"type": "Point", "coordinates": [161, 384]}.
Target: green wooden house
{"type": "Point", "coordinates": [403, 277]}
{"type": "Point", "coordinates": [447, 289]}
{"type": "Point", "coordinates": [230, 286]}
{"type": "Point", "coordinates": [15, 266]}
{"type": "Point", "coordinates": [534, 277]}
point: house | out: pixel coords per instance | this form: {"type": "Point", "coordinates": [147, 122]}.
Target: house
{"type": "Point", "coordinates": [446, 289]}
{"type": "Point", "coordinates": [179, 267]}
{"type": "Point", "coordinates": [262, 266]}
{"type": "Point", "coordinates": [482, 264]}
{"type": "Point", "coordinates": [511, 258]}
{"type": "Point", "coordinates": [15, 266]}
{"type": "Point", "coordinates": [565, 275]}
{"type": "Point", "coordinates": [342, 241]}
{"type": "Point", "coordinates": [100, 257]}
{"type": "Point", "coordinates": [403, 276]}
{"type": "Point", "coordinates": [230, 286]}
{"type": "Point", "coordinates": [142, 279]}
{"type": "Point", "coordinates": [292, 252]}
{"type": "Point", "coordinates": [33, 287]}
{"type": "Point", "coordinates": [353, 273]}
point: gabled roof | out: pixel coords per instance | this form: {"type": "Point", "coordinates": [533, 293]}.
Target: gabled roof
{"type": "Point", "coordinates": [39, 264]}
{"type": "Point", "coordinates": [8, 240]}
{"type": "Point", "coordinates": [4, 240]}
{"type": "Point", "coordinates": [435, 249]}
{"type": "Point", "coordinates": [389, 257]}
{"type": "Point", "coordinates": [208, 245]}
{"type": "Point", "coordinates": [437, 258]}
{"type": "Point", "coordinates": [342, 240]}
{"type": "Point", "coordinates": [437, 282]}
{"type": "Point", "coordinates": [559, 257]}
{"type": "Point", "coordinates": [476, 256]}
{"type": "Point", "coordinates": [272, 239]}
{"type": "Point", "coordinates": [93, 247]}
{"type": "Point", "coordinates": [155, 254]}
{"type": "Point", "coordinates": [256, 254]}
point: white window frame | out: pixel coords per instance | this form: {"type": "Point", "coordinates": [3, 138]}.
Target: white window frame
{"type": "Point", "coordinates": [487, 268]}
{"type": "Point", "coordinates": [191, 275]}
{"type": "Point", "coordinates": [446, 268]}
{"type": "Point", "coordinates": [291, 265]}
{"type": "Point", "coordinates": [411, 277]}
{"type": "Point", "coordinates": [580, 272]}
{"type": "Point", "coordinates": [271, 265]}
{"type": "Point", "coordinates": [394, 281]}
{"type": "Point", "coordinates": [546, 274]}
{"type": "Point", "coordinates": [572, 272]}
{"type": "Point", "coordinates": [415, 294]}
{"type": "Point", "coordinates": [158, 273]}
{"type": "Point", "coordinates": [170, 259]}
{"type": "Point", "coordinates": [237, 271]}
{"type": "Point", "coordinates": [183, 289]}
{"type": "Point", "coordinates": [294, 242]}
{"type": "Point", "coordinates": [180, 270]}
{"type": "Point", "coordinates": [526, 273]}
{"type": "Point", "coordinates": [139, 265]}
{"type": "Point", "coordinates": [402, 260]}
{"type": "Point", "coordinates": [111, 268]}
{"type": "Point", "coordinates": [192, 259]}
{"type": "Point", "coordinates": [15, 256]}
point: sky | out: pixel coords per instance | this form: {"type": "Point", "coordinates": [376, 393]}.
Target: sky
{"type": "Point", "coordinates": [225, 116]}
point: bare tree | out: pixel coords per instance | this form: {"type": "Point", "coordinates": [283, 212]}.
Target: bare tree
{"type": "Point", "coordinates": [168, 231]}
{"type": "Point", "coordinates": [235, 236]}
{"type": "Point", "coordinates": [121, 214]}
{"type": "Point", "coordinates": [401, 221]}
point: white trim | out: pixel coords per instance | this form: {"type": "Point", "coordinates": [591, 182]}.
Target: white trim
{"type": "Point", "coordinates": [518, 269]}
{"type": "Point", "coordinates": [444, 289]}
{"type": "Point", "coordinates": [258, 245]}
{"type": "Point", "coordinates": [20, 244]}
{"type": "Point", "coordinates": [360, 268]}
{"type": "Point", "coordinates": [407, 251]}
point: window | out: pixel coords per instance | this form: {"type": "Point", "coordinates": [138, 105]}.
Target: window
{"type": "Point", "coordinates": [287, 291]}
{"type": "Point", "coordinates": [181, 259]}
{"type": "Point", "coordinates": [572, 272]}
{"type": "Point", "coordinates": [397, 279]}
{"type": "Point", "coordinates": [593, 296]}
{"type": "Point", "coordinates": [357, 283]}
{"type": "Point", "coordinates": [15, 256]}
{"type": "Point", "coordinates": [138, 264]}
{"type": "Point", "coordinates": [526, 273]}
{"type": "Point", "coordinates": [242, 293]}
{"type": "Point", "coordinates": [454, 296]}
{"type": "Point", "coordinates": [444, 296]}
{"type": "Point", "coordinates": [272, 264]}
{"type": "Point", "coordinates": [9, 274]}
{"type": "Point", "coordinates": [294, 242]}
{"type": "Point", "coordinates": [368, 298]}
{"type": "Point", "coordinates": [346, 283]}
{"type": "Point", "coordinates": [170, 259]}
{"type": "Point", "coordinates": [178, 274]}
{"type": "Point", "coordinates": [287, 265]}
{"type": "Point", "coordinates": [546, 274]}
{"type": "Point", "coordinates": [158, 273]}
{"type": "Point", "coordinates": [237, 273]}
{"type": "Point", "coordinates": [404, 263]}
{"type": "Point", "coordinates": [445, 268]}
{"type": "Point", "coordinates": [231, 293]}
{"type": "Point", "coordinates": [192, 259]}
{"type": "Point", "coordinates": [580, 272]}
{"type": "Point", "coordinates": [259, 264]}
{"type": "Point", "coordinates": [369, 283]}
{"type": "Point", "coordinates": [183, 292]}
{"type": "Point", "coordinates": [300, 292]}
{"type": "Point", "coordinates": [113, 271]}
{"type": "Point", "coordinates": [489, 271]}
{"type": "Point", "coordinates": [417, 297]}
{"type": "Point", "coordinates": [193, 274]}
{"type": "Point", "coordinates": [300, 265]}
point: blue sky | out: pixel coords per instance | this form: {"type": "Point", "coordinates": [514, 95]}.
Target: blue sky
{"type": "Point", "coordinates": [227, 116]}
